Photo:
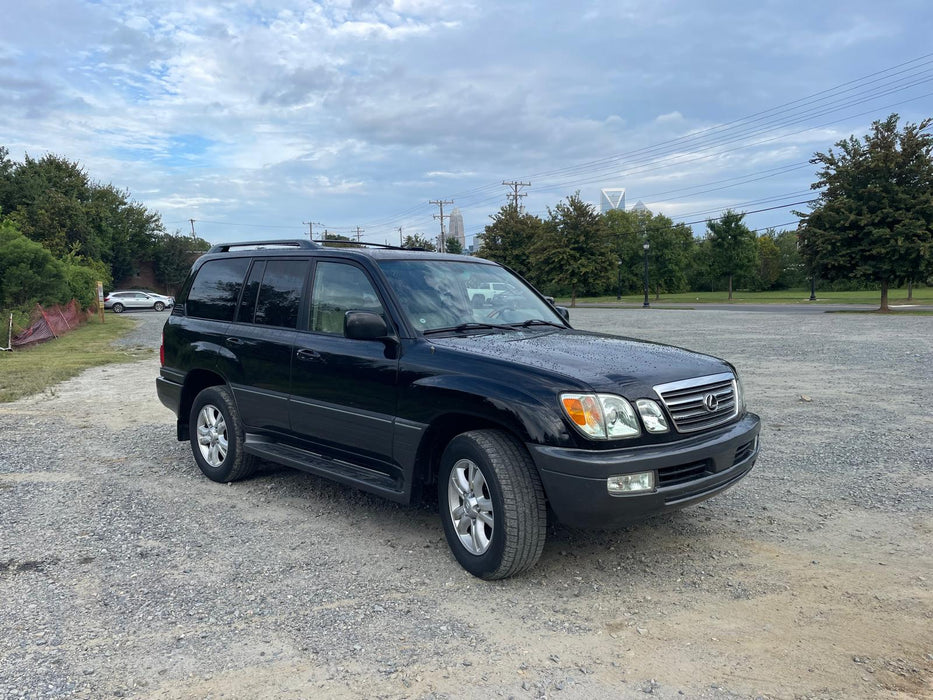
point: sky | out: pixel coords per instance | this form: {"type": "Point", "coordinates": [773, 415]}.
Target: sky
{"type": "Point", "coordinates": [255, 118]}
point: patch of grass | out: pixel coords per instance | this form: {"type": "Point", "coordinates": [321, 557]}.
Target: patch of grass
{"type": "Point", "coordinates": [28, 371]}
{"type": "Point", "coordinates": [896, 297]}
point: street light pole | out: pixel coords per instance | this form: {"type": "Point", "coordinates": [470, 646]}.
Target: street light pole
{"type": "Point", "coordinates": [619, 289]}
{"type": "Point", "coordinates": [812, 287]}
{"type": "Point", "coordinates": [646, 246]}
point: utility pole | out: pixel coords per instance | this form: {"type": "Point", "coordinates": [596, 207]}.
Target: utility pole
{"type": "Point", "coordinates": [311, 225]}
{"type": "Point", "coordinates": [516, 195]}
{"type": "Point", "coordinates": [401, 242]}
{"type": "Point", "coordinates": [193, 234]}
{"type": "Point", "coordinates": [359, 233]}
{"type": "Point", "coordinates": [441, 216]}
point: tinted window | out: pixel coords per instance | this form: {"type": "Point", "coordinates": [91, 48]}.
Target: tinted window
{"type": "Point", "coordinates": [280, 293]}
{"type": "Point", "coordinates": [216, 289]}
{"type": "Point", "coordinates": [248, 304]}
{"type": "Point", "coordinates": [339, 288]}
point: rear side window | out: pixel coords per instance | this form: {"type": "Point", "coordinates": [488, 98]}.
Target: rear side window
{"type": "Point", "coordinates": [216, 289]}
{"type": "Point", "coordinates": [280, 293]}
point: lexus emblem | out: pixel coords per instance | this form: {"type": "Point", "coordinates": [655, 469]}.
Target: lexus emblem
{"type": "Point", "coordinates": [711, 402]}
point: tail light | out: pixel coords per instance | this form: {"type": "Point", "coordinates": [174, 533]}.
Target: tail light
{"type": "Point", "coordinates": [162, 350]}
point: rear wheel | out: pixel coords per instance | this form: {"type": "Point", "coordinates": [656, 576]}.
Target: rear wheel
{"type": "Point", "coordinates": [118, 308]}
{"type": "Point", "coordinates": [492, 504]}
{"type": "Point", "coordinates": [158, 306]}
{"type": "Point", "coordinates": [217, 437]}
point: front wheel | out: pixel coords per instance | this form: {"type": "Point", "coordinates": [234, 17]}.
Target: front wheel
{"type": "Point", "coordinates": [118, 308]}
{"type": "Point", "coordinates": [217, 436]}
{"type": "Point", "coordinates": [492, 504]}
{"type": "Point", "coordinates": [159, 306]}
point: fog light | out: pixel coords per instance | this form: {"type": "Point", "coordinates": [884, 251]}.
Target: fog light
{"type": "Point", "coordinates": [630, 483]}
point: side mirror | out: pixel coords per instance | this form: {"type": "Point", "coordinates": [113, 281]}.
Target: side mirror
{"type": "Point", "coordinates": [564, 312]}
{"type": "Point", "coordinates": [364, 325]}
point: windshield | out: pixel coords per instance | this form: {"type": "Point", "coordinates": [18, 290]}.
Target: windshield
{"type": "Point", "coordinates": [450, 294]}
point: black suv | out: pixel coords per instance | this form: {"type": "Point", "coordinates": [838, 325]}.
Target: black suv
{"type": "Point", "coordinates": [385, 369]}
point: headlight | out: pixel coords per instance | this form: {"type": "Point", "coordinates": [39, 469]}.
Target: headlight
{"type": "Point", "coordinates": [739, 393]}
{"type": "Point", "coordinates": [652, 416]}
{"type": "Point", "coordinates": [601, 416]}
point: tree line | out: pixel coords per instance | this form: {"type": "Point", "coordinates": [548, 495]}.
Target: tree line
{"type": "Point", "coordinates": [576, 251]}
{"type": "Point", "coordinates": [60, 232]}
{"type": "Point", "coordinates": [870, 226]}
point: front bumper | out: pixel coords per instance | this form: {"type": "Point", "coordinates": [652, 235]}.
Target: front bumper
{"type": "Point", "coordinates": [687, 471]}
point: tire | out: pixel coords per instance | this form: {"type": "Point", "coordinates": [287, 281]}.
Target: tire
{"type": "Point", "coordinates": [492, 504]}
{"type": "Point", "coordinates": [159, 306]}
{"type": "Point", "coordinates": [217, 436]}
{"type": "Point", "coordinates": [117, 308]}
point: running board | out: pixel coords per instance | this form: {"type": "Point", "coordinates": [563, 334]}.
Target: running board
{"type": "Point", "coordinates": [335, 469]}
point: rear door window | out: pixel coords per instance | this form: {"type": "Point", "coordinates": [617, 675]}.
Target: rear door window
{"type": "Point", "coordinates": [216, 289]}
{"type": "Point", "coordinates": [280, 293]}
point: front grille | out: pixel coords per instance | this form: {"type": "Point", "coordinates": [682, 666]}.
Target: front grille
{"type": "Point", "coordinates": [701, 403]}
{"type": "Point", "coordinates": [683, 473]}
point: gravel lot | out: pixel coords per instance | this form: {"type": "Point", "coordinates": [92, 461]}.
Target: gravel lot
{"type": "Point", "coordinates": [125, 573]}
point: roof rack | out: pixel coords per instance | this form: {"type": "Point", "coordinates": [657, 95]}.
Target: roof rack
{"type": "Point", "coordinates": [278, 243]}
{"type": "Point", "coordinates": [340, 243]}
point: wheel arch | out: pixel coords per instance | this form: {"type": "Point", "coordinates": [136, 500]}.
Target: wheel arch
{"type": "Point", "coordinates": [196, 381]}
{"type": "Point", "coordinates": [439, 434]}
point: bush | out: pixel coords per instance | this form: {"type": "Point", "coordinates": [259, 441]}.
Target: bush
{"type": "Point", "coordinates": [28, 272]}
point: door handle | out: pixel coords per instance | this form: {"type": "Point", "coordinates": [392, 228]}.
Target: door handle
{"type": "Point", "coordinates": [234, 341]}
{"type": "Point", "coordinates": [308, 354]}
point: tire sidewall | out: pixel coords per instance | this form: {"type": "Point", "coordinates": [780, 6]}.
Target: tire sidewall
{"type": "Point", "coordinates": [485, 564]}
{"type": "Point", "coordinates": [220, 400]}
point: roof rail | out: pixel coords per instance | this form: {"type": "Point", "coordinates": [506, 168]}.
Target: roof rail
{"type": "Point", "coordinates": [340, 243]}
{"type": "Point", "coordinates": [278, 243]}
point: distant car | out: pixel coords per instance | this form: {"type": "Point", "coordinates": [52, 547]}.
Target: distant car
{"type": "Point", "coordinates": [120, 301]}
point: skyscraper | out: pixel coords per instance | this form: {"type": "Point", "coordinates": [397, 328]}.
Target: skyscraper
{"type": "Point", "coordinates": [611, 198]}
{"type": "Point", "coordinates": [456, 227]}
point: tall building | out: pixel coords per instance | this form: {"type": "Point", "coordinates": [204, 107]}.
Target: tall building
{"type": "Point", "coordinates": [456, 227]}
{"type": "Point", "coordinates": [611, 198]}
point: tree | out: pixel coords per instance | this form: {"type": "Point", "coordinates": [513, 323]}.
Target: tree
{"type": "Point", "coordinates": [173, 256]}
{"type": "Point", "coordinates": [732, 246]}
{"type": "Point", "coordinates": [670, 248]}
{"type": "Point", "coordinates": [792, 269]}
{"type": "Point", "coordinates": [54, 202]}
{"type": "Point", "coordinates": [769, 261]}
{"type": "Point", "coordinates": [29, 273]}
{"type": "Point", "coordinates": [453, 245]}
{"type": "Point", "coordinates": [509, 238]}
{"type": "Point", "coordinates": [873, 219]}
{"type": "Point", "coordinates": [626, 238]}
{"type": "Point", "coordinates": [419, 242]}
{"type": "Point", "coordinates": [574, 252]}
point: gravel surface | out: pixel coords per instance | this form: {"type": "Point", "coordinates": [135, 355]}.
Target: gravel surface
{"type": "Point", "coordinates": [125, 573]}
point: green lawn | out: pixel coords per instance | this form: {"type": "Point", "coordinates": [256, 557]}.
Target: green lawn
{"type": "Point", "coordinates": [27, 371]}
{"type": "Point", "coordinates": [923, 295]}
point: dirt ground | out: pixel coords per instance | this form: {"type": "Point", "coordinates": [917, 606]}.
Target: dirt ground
{"type": "Point", "coordinates": [123, 572]}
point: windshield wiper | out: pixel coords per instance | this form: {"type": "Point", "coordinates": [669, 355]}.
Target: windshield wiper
{"type": "Point", "coordinates": [468, 327]}
{"type": "Point", "coordinates": [538, 322]}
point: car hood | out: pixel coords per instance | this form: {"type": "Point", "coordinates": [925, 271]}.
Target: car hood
{"type": "Point", "coordinates": [603, 362]}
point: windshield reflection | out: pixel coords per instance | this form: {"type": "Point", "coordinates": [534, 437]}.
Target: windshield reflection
{"type": "Point", "coordinates": [460, 296]}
